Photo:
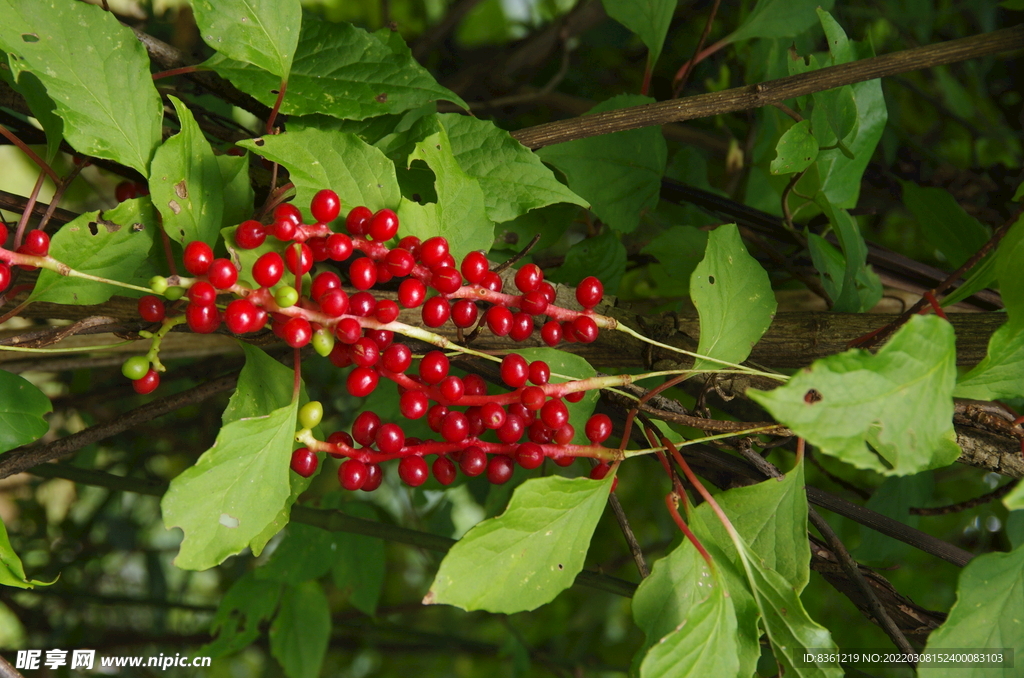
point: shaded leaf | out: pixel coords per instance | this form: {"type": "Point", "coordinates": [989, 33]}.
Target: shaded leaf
{"type": "Point", "coordinates": [679, 250]}
{"type": "Point", "coordinates": [12, 572]}
{"type": "Point", "coordinates": [341, 71]}
{"type": "Point", "coordinates": [1000, 374]}
{"type": "Point", "coordinates": [858, 289]}
{"type": "Point", "coordinates": [619, 174]}
{"type": "Point", "coordinates": [945, 224]}
{"type": "Point", "coordinates": [603, 256]}
{"type": "Point", "coordinates": [778, 19]}
{"type": "Point", "coordinates": [305, 553]}
{"type": "Point", "coordinates": [259, 32]}
{"type": "Point", "coordinates": [898, 401]}
{"type": "Point", "coordinates": [22, 407]}
{"type": "Point", "coordinates": [529, 554]}
{"type": "Point", "coordinates": [796, 150]}
{"type": "Point", "coordinates": [39, 102]}
{"type": "Point", "coordinates": [893, 498]}
{"type": "Point", "coordinates": [301, 630]}
{"type": "Point", "coordinates": [112, 244]}
{"type": "Point", "coordinates": [246, 605]}
{"type": "Point", "coordinates": [108, 112]}
{"type": "Point", "coordinates": [1011, 283]}
{"type": "Point", "coordinates": [550, 222]}
{"type": "Point", "coordinates": [237, 193]}
{"type": "Point", "coordinates": [649, 19]}
{"type": "Point", "coordinates": [513, 178]}
{"type": "Point", "coordinates": [360, 567]}
{"type": "Point", "coordinates": [734, 299]}
{"type": "Point", "coordinates": [186, 183]}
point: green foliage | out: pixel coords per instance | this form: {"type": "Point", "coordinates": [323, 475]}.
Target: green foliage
{"type": "Point", "coordinates": [649, 19]}
{"type": "Point", "coordinates": [846, 276]}
{"type": "Point", "coordinates": [796, 150]}
{"type": "Point", "coordinates": [29, 86]}
{"type": "Point", "coordinates": [734, 298]}
{"type": "Point", "coordinates": [603, 256]}
{"type": "Point", "coordinates": [22, 407]}
{"type": "Point", "coordinates": [111, 113]}
{"type": "Point", "coordinates": [777, 19]}
{"type": "Point", "coordinates": [259, 32]}
{"type": "Point", "coordinates": [529, 554]}
{"type": "Point", "coordinates": [898, 401]}
{"type": "Point", "coordinates": [948, 228]}
{"type": "Point", "coordinates": [12, 572]}
{"type": "Point", "coordinates": [301, 630]}
{"type": "Point", "coordinates": [247, 604]}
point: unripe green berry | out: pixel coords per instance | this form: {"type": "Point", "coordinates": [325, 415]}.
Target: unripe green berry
{"type": "Point", "coordinates": [311, 414]}
{"type": "Point", "coordinates": [323, 342]}
{"type": "Point", "coordinates": [286, 296]}
{"type": "Point", "coordinates": [135, 367]}
{"type": "Point", "coordinates": [174, 293]}
{"type": "Point", "coordinates": [158, 284]}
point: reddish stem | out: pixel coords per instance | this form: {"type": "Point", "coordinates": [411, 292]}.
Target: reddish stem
{"type": "Point", "coordinates": [27, 212]}
{"type": "Point", "coordinates": [277, 106]}
{"type": "Point", "coordinates": [679, 82]}
{"type": "Point", "coordinates": [184, 70]}
{"type": "Point", "coordinates": [646, 85]}
{"type": "Point", "coordinates": [13, 138]}
{"type": "Point", "coordinates": [935, 305]}
{"type": "Point", "coordinates": [436, 447]}
{"type": "Point", "coordinates": [685, 529]}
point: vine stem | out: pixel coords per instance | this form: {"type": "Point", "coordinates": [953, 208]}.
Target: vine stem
{"type": "Point", "coordinates": [679, 81]}
{"type": "Point", "coordinates": [277, 106]}
{"type": "Point", "coordinates": [628, 454]}
{"type": "Point", "coordinates": [51, 264]}
{"type": "Point", "coordinates": [19, 233]}
{"type": "Point", "coordinates": [77, 349]}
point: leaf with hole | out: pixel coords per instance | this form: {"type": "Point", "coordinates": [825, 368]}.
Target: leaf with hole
{"type": "Point", "coordinates": [264, 33]}
{"type": "Point", "coordinates": [734, 299]}
{"type": "Point", "coordinates": [109, 112]}
{"type": "Point", "coordinates": [529, 554]}
{"type": "Point", "coordinates": [796, 150]}
{"type": "Point", "coordinates": [899, 401]}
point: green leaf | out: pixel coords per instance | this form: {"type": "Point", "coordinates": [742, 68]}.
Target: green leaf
{"type": "Point", "coordinates": [778, 19]}
{"type": "Point", "coordinates": [246, 605]}
{"type": "Point", "coordinates": [945, 224]}
{"type": "Point", "coordinates": [838, 109]}
{"type": "Point", "coordinates": [860, 288]}
{"type": "Point", "coordinates": [1011, 283]}
{"type": "Point", "coordinates": [986, 615]}
{"type": "Point", "coordinates": [240, 485]}
{"type": "Point", "coordinates": [109, 111]}
{"type": "Point", "coordinates": [359, 173]}
{"type": "Point", "coordinates": [567, 366]}
{"type": "Point", "coordinates": [237, 193]}
{"type": "Point", "coordinates": [980, 277]}
{"type": "Point", "coordinates": [39, 102]}
{"type": "Point", "coordinates": [186, 183]}
{"type": "Point", "coordinates": [359, 570]}
{"type": "Point", "coordinates": [301, 630]}
{"type": "Point", "coordinates": [259, 32]}
{"type": "Point", "coordinates": [619, 174]}
{"type": "Point", "coordinates": [529, 554]}
{"type": "Point", "coordinates": [12, 572]}
{"type": "Point", "coordinates": [112, 244]}
{"type": "Point", "coordinates": [649, 19]}
{"type": "Point", "coordinates": [305, 553]}
{"type": "Point", "coordinates": [341, 71]}
{"type": "Point", "coordinates": [704, 644]}
{"type": "Point", "coordinates": [22, 407]}
{"type": "Point", "coordinates": [899, 401]}
{"type": "Point", "coordinates": [796, 150]}
{"type": "Point", "coordinates": [603, 256]}
{"type": "Point", "coordinates": [460, 213]}
{"type": "Point", "coordinates": [1000, 374]}
{"type": "Point", "coordinates": [513, 178]}
{"type": "Point", "coordinates": [678, 250]}
{"type": "Point", "coordinates": [734, 299]}
{"type": "Point", "coordinates": [549, 222]}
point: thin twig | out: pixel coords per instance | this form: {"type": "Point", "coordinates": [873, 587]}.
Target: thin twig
{"type": "Point", "coordinates": [519, 255]}
{"type": "Point", "coordinates": [684, 73]}
{"type": "Point", "coordinates": [13, 138]}
{"type": "Point", "coordinates": [627, 532]}
{"type": "Point", "coordinates": [995, 494]}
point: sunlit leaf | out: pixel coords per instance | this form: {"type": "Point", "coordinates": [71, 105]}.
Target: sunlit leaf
{"type": "Point", "coordinates": [778, 19]}
{"type": "Point", "coordinates": [649, 19]}
{"type": "Point", "coordinates": [260, 32]}
{"type": "Point", "coordinates": [796, 150]}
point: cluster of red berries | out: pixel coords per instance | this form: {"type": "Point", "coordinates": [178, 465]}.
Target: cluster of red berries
{"type": "Point", "coordinates": [35, 244]}
{"type": "Point", "coordinates": [358, 330]}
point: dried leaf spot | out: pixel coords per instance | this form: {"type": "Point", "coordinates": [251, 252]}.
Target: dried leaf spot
{"type": "Point", "coordinates": [561, 567]}
{"type": "Point", "coordinates": [111, 226]}
{"type": "Point", "coordinates": [181, 189]}
{"type": "Point", "coordinates": [381, 98]}
{"type": "Point", "coordinates": [30, 37]}
{"type": "Point", "coordinates": [229, 521]}
{"type": "Point", "coordinates": [812, 396]}
{"type": "Point", "coordinates": [138, 227]}
{"type": "Point", "coordinates": [711, 280]}
{"type": "Point", "coordinates": [259, 142]}
{"type": "Point", "coordinates": [175, 207]}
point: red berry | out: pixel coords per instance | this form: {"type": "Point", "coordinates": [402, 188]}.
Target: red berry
{"type": "Point", "coordinates": [551, 333]}
{"type": "Point", "coordinates": [500, 469]}
{"type": "Point", "coordinates": [382, 338]}
{"type": "Point", "coordinates": [436, 312]}
{"type": "Point", "coordinates": [362, 304]}
{"type": "Point", "coordinates": [554, 414]}
{"type": "Point", "coordinates": [521, 411]}
{"type": "Point", "coordinates": [5, 276]}
{"type": "Point", "coordinates": [585, 329]}
{"type": "Point", "coordinates": [548, 290]}
{"type": "Point", "coordinates": [323, 283]}
{"type": "Point", "coordinates": [250, 234]}
{"type": "Point", "coordinates": [474, 267]}
{"type": "Point", "coordinates": [198, 257]}
{"type": "Point", "coordinates": [390, 438]}
{"type": "Point", "coordinates": [476, 422]}
{"type": "Point", "coordinates": [125, 191]}
{"type": "Point", "coordinates": [492, 281]}
{"type": "Point", "coordinates": [598, 428]}
{"type": "Point", "coordinates": [296, 263]}
{"type": "Point", "coordinates": [452, 389]}
{"type": "Point", "coordinates": [411, 293]}
{"type": "Point", "coordinates": [512, 430]}
{"type": "Point", "coordinates": [364, 428]}
{"type": "Point", "coordinates": [600, 472]}
{"type": "Point", "coordinates": [325, 206]}
{"type": "Point", "coordinates": [434, 367]}
{"type": "Point", "coordinates": [464, 313]}
{"type": "Point", "coordinates": [363, 273]}
{"type": "Point", "coordinates": [242, 316]}
{"type": "Point", "coordinates": [151, 308]}
{"type": "Point", "coordinates": [358, 220]}
{"type": "Point", "coordinates": [334, 303]}
{"type": "Point", "coordinates": [435, 417]}
{"type": "Point", "coordinates": [365, 352]}
{"type": "Point", "coordinates": [455, 427]}
{"type": "Point", "coordinates": [386, 311]}
{"type": "Point", "coordinates": [202, 319]}
{"type": "Point", "coordinates": [284, 230]}
{"type": "Point", "coordinates": [339, 246]}
{"type": "Point", "coordinates": [522, 327]}
{"type": "Point", "coordinates": [287, 212]}
{"type": "Point", "coordinates": [514, 370]}
{"type": "Point", "coordinates": [445, 280]}
{"type": "Point", "coordinates": [475, 385]}
{"type": "Point", "coordinates": [304, 462]}
{"type": "Point", "coordinates": [318, 245]}
{"type": "Point", "coordinates": [533, 397]}
{"type": "Point", "coordinates": [473, 461]}
{"type": "Point", "coordinates": [564, 460]}
{"type": "Point", "coordinates": [202, 293]}
{"type": "Point", "coordinates": [399, 262]}
{"type": "Point", "coordinates": [499, 320]}
{"type": "Point", "coordinates": [339, 438]}
{"type": "Point", "coordinates": [148, 383]}
{"type": "Point", "coordinates": [529, 455]}
{"type": "Point", "coordinates": [433, 251]}
{"type": "Point", "coordinates": [222, 274]}
{"type": "Point", "coordinates": [589, 292]}
{"type": "Point", "coordinates": [564, 435]}
{"type": "Point", "coordinates": [413, 471]}
{"type": "Point", "coordinates": [268, 269]}
{"type": "Point", "coordinates": [446, 261]}
{"type": "Point", "coordinates": [341, 355]}
{"type": "Point", "coordinates": [297, 332]}
{"type": "Point", "coordinates": [3, 234]}
{"type": "Point", "coordinates": [493, 415]}
{"type": "Point", "coordinates": [362, 381]}
{"type": "Point", "coordinates": [352, 474]}
{"type": "Point", "coordinates": [539, 433]}
{"type": "Point", "coordinates": [374, 477]}
{"type": "Point", "coordinates": [529, 278]}
{"type": "Point", "coordinates": [444, 470]}
{"type": "Point", "coordinates": [397, 358]}
{"type": "Point", "coordinates": [534, 303]}
{"type": "Point", "coordinates": [575, 396]}
{"type": "Point", "coordinates": [348, 330]}
{"type": "Point", "coordinates": [540, 373]}
{"type": "Point", "coordinates": [413, 404]}
{"type": "Point", "coordinates": [383, 226]}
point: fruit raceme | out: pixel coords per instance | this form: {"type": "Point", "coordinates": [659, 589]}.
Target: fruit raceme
{"type": "Point", "coordinates": [530, 419]}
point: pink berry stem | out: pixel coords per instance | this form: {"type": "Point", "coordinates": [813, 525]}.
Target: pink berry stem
{"type": "Point", "coordinates": [435, 447]}
{"type": "Point", "coordinates": [478, 293]}
{"type": "Point", "coordinates": [60, 268]}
